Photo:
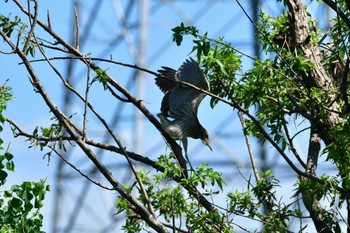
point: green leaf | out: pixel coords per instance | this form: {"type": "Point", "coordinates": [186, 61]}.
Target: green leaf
{"type": "Point", "coordinates": [2, 118]}
{"type": "Point", "coordinates": [3, 176]}
{"type": "Point", "coordinates": [7, 194]}
{"type": "Point", "coordinates": [10, 166]}
{"type": "Point", "coordinates": [16, 203]}
{"type": "Point", "coordinates": [8, 156]}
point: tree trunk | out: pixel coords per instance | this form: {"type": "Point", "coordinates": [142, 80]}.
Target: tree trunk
{"type": "Point", "coordinates": [318, 77]}
{"type": "Point", "coordinates": [311, 203]}
{"type": "Point", "coordinates": [320, 127]}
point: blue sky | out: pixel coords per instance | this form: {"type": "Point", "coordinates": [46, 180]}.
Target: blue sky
{"type": "Point", "coordinates": [222, 18]}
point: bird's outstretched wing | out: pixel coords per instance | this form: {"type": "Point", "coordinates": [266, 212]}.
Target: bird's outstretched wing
{"type": "Point", "coordinates": [179, 98]}
{"type": "Point", "coordinates": [190, 72]}
{"type": "Point", "coordinates": [183, 95]}
{"type": "Point", "coordinates": [166, 84]}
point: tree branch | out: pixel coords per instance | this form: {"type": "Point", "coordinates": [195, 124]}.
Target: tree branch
{"type": "Point", "coordinates": [301, 41]}
{"type": "Point", "coordinates": [137, 157]}
{"type": "Point", "coordinates": [230, 103]}
{"type": "Point", "coordinates": [311, 203]}
{"type": "Point", "coordinates": [32, 21]}
{"type": "Point", "coordinates": [338, 10]}
{"type": "Point", "coordinates": [175, 147]}
{"type": "Point", "coordinates": [78, 170]}
{"type": "Point", "coordinates": [265, 200]}
{"type": "Point", "coordinates": [139, 207]}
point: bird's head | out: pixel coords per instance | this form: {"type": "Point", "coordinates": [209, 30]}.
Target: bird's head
{"type": "Point", "coordinates": [204, 136]}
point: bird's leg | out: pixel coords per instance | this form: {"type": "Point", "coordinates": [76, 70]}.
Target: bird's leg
{"type": "Point", "coordinates": [174, 131]}
{"type": "Point", "coordinates": [185, 143]}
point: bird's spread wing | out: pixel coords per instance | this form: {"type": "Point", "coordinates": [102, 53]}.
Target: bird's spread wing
{"type": "Point", "coordinates": [182, 95]}
{"type": "Point", "coordinates": [165, 84]}
{"type": "Point", "coordinates": [165, 107]}
{"type": "Point", "coordinates": [190, 72]}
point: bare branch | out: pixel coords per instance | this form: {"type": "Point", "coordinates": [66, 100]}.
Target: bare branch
{"type": "Point", "coordinates": [77, 38]}
{"type": "Point", "coordinates": [311, 203]}
{"type": "Point", "coordinates": [48, 19]}
{"type": "Point", "coordinates": [338, 10]}
{"type": "Point", "coordinates": [32, 21]}
{"type": "Point", "coordinates": [140, 208]}
{"type": "Point", "coordinates": [116, 95]}
{"type": "Point", "coordinates": [250, 151]}
{"type": "Point", "coordinates": [291, 145]}
{"type": "Point", "coordinates": [87, 88]}
{"type": "Point", "coordinates": [78, 170]}
{"type": "Point", "coordinates": [91, 142]}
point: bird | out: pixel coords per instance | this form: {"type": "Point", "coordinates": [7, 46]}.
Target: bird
{"type": "Point", "coordinates": [181, 102]}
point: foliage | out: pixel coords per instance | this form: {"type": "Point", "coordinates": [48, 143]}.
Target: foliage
{"type": "Point", "coordinates": [170, 201]}
{"type": "Point", "coordinates": [278, 88]}
{"type": "Point", "coordinates": [20, 206]}
{"type": "Point", "coordinates": [300, 82]}
{"type": "Point", "coordinates": [9, 25]}
{"type": "Point", "coordinates": [6, 163]}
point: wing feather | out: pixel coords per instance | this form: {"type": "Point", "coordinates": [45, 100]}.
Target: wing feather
{"type": "Point", "coordinates": [165, 84]}
{"type": "Point", "coordinates": [183, 95]}
{"type": "Point", "coordinates": [179, 99]}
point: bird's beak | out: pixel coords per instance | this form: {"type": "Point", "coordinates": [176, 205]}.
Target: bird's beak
{"type": "Point", "coordinates": [206, 142]}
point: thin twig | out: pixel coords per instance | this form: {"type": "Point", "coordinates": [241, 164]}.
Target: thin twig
{"type": "Point", "coordinates": [137, 157]}
{"type": "Point", "coordinates": [48, 18]}
{"type": "Point", "coordinates": [116, 95]}
{"type": "Point", "coordinates": [277, 51]}
{"type": "Point", "coordinates": [173, 227]}
{"type": "Point", "coordinates": [291, 145]}
{"type": "Point", "coordinates": [2, 85]}
{"type": "Point", "coordinates": [287, 135]}
{"type": "Point", "coordinates": [32, 22]}
{"type": "Point", "coordinates": [87, 88]}
{"type": "Point", "coordinates": [35, 81]}
{"type": "Point", "coordinates": [76, 28]}
{"type": "Point", "coordinates": [338, 10]}
{"type": "Point", "coordinates": [78, 170]}
{"type": "Point", "coordinates": [250, 151]}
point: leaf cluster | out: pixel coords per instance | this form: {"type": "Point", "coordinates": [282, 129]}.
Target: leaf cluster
{"type": "Point", "coordinates": [51, 135]}
{"type": "Point", "coordinates": [8, 26]}
{"type": "Point", "coordinates": [249, 204]}
{"type": "Point", "coordinates": [6, 163]}
{"type": "Point", "coordinates": [275, 88]}
{"type": "Point", "coordinates": [170, 201]}
{"type": "Point", "coordinates": [20, 206]}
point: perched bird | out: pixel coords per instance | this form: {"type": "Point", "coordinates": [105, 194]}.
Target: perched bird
{"type": "Point", "coordinates": [181, 102]}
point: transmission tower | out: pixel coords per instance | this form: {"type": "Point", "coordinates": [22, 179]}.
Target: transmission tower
{"type": "Point", "coordinates": [140, 30]}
